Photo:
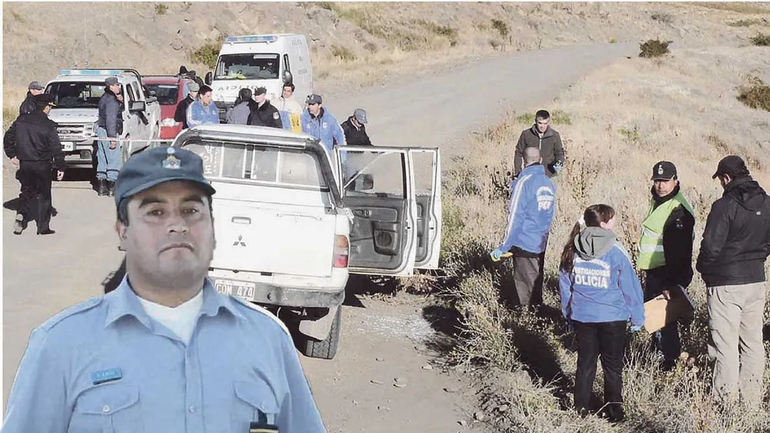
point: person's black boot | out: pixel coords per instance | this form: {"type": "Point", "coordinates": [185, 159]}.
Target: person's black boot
{"type": "Point", "coordinates": [110, 188]}
{"type": "Point", "coordinates": [101, 186]}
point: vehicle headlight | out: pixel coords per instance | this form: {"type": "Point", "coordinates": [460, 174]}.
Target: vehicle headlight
{"type": "Point", "coordinates": [167, 122]}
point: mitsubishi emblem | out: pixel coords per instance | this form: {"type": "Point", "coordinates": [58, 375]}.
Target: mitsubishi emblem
{"type": "Point", "coordinates": [239, 242]}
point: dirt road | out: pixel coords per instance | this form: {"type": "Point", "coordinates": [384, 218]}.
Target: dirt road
{"type": "Point", "coordinates": [380, 341]}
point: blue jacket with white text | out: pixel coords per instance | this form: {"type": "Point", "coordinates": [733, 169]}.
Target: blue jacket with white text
{"type": "Point", "coordinates": [531, 210]}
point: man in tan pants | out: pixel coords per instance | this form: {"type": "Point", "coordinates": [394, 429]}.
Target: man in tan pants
{"type": "Point", "coordinates": [736, 243]}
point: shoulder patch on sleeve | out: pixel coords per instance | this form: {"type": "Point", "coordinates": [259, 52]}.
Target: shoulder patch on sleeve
{"type": "Point", "coordinates": [263, 311]}
{"type": "Point", "coordinates": [71, 311]}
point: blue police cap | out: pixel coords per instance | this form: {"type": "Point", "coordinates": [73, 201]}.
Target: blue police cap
{"type": "Point", "coordinates": [157, 165]}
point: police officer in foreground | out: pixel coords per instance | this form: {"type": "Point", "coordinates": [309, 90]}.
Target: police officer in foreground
{"type": "Point", "coordinates": [665, 251]}
{"type": "Point", "coordinates": [164, 352]}
{"type": "Point", "coordinates": [32, 143]}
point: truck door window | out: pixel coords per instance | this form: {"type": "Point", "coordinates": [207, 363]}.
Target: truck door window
{"type": "Point", "coordinates": [129, 94]}
{"type": "Point", "coordinates": [380, 166]}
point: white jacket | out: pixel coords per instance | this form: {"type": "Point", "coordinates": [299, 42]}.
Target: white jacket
{"type": "Point", "coordinates": [289, 105]}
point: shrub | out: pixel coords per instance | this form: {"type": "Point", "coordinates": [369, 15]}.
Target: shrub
{"type": "Point", "coordinates": [207, 54]}
{"type": "Point", "coordinates": [661, 17]}
{"type": "Point", "coordinates": [448, 32]}
{"type": "Point", "coordinates": [160, 9]}
{"type": "Point", "coordinates": [501, 27]}
{"type": "Point", "coordinates": [745, 23]}
{"type": "Point", "coordinates": [343, 53]}
{"type": "Point", "coordinates": [755, 95]}
{"type": "Point", "coordinates": [558, 117]}
{"type": "Point", "coordinates": [654, 48]}
{"type": "Point", "coordinates": [761, 40]}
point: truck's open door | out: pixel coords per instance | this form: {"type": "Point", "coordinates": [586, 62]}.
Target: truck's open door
{"type": "Point", "coordinates": [378, 187]}
{"type": "Point", "coordinates": [426, 166]}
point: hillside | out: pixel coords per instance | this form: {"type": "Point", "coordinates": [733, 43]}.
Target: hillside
{"type": "Point", "coordinates": [352, 44]}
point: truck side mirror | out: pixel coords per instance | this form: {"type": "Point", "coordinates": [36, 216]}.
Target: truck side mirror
{"type": "Point", "coordinates": [207, 78]}
{"type": "Point", "coordinates": [287, 77]}
{"type": "Point", "coordinates": [137, 106]}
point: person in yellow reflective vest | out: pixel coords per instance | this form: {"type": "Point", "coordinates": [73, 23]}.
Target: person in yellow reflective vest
{"type": "Point", "coordinates": [665, 250]}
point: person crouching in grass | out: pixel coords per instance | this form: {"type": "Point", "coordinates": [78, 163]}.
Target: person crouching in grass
{"type": "Point", "coordinates": [599, 293]}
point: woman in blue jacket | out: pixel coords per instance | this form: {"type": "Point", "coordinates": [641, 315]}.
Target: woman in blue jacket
{"type": "Point", "coordinates": [599, 293]}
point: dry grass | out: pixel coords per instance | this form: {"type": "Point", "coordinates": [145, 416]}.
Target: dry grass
{"type": "Point", "coordinates": [623, 120]}
{"type": "Point", "coordinates": [738, 7]}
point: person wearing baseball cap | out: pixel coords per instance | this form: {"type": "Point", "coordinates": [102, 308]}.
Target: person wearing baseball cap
{"type": "Point", "coordinates": [733, 251]}
{"type": "Point", "coordinates": [28, 105]}
{"type": "Point", "coordinates": [180, 114]}
{"type": "Point", "coordinates": [355, 129]}
{"type": "Point", "coordinates": [109, 128]}
{"type": "Point", "coordinates": [665, 251]}
{"type": "Point", "coordinates": [321, 124]}
{"type": "Point", "coordinates": [160, 347]}
{"type": "Point", "coordinates": [263, 113]}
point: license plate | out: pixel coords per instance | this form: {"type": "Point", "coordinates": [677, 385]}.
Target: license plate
{"type": "Point", "coordinates": [237, 288]}
{"type": "Point", "coordinates": [67, 146]}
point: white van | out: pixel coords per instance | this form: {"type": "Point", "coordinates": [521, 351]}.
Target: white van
{"type": "Point", "coordinates": [261, 61]}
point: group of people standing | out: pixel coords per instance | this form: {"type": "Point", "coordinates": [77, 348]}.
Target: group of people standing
{"type": "Point", "coordinates": [599, 287]}
{"type": "Point", "coordinates": [253, 108]}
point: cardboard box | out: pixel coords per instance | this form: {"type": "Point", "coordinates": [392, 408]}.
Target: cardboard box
{"type": "Point", "coordinates": [659, 312]}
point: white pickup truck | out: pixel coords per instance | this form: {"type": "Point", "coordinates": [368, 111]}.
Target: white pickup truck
{"type": "Point", "coordinates": [76, 94]}
{"type": "Point", "coordinates": [290, 227]}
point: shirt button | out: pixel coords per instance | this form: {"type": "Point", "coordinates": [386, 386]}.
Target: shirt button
{"type": "Point", "coordinates": [106, 408]}
{"type": "Point", "coordinates": [191, 409]}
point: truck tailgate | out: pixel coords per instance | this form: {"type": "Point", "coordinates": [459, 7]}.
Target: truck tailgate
{"type": "Point", "coordinates": [269, 238]}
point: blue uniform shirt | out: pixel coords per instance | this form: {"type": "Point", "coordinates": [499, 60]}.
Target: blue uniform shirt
{"type": "Point", "coordinates": [105, 365]}
{"type": "Point", "coordinates": [325, 128]}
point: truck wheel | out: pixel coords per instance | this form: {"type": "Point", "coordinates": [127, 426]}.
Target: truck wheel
{"type": "Point", "coordinates": [325, 349]}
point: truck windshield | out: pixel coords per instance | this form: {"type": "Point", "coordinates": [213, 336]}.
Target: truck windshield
{"type": "Point", "coordinates": [264, 165]}
{"type": "Point", "coordinates": [76, 95]}
{"type": "Point", "coordinates": [247, 66]}
{"type": "Point", "coordinates": [167, 94]}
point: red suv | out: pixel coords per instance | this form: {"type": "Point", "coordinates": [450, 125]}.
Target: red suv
{"type": "Point", "coordinates": [170, 91]}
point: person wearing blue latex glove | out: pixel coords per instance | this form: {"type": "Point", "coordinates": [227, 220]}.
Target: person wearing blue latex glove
{"type": "Point", "coordinates": [599, 294]}
{"type": "Point", "coordinates": [531, 211]}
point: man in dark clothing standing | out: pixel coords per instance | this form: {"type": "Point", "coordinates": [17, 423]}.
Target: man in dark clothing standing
{"type": "Point", "coordinates": [354, 129]}
{"type": "Point", "coordinates": [546, 139]}
{"type": "Point", "coordinates": [665, 251]}
{"type": "Point", "coordinates": [32, 143]}
{"type": "Point", "coordinates": [180, 115]}
{"type": "Point", "coordinates": [262, 111]}
{"type": "Point", "coordinates": [735, 245]}
{"type": "Point", "coordinates": [28, 106]}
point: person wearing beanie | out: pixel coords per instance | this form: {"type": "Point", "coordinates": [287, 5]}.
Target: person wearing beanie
{"type": "Point", "coordinates": [28, 105]}
{"type": "Point", "coordinates": [32, 143]}
{"type": "Point", "coordinates": [180, 114]}
{"type": "Point", "coordinates": [733, 251]}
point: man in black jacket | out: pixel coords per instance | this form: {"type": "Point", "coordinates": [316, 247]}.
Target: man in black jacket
{"type": "Point", "coordinates": [262, 111]}
{"type": "Point", "coordinates": [354, 129]}
{"type": "Point", "coordinates": [665, 251]}
{"type": "Point", "coordinates": [545, 138]}
{"type": "Point", "coordinates": [28, 105]}
{"type": "Point", "coordinates": [735, 245]}
{"type": "Point", "coordinates": [32, 143]}
{"type": "Point", "coordinates": [180, 114]}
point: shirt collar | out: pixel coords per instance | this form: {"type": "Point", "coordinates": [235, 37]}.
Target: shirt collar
{"type": "Point", "coordinates": [124, 302]}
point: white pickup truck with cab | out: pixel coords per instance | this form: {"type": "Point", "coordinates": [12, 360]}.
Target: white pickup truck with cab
{"type": "Point", "coordinates": [290, 228]}
{"type": "Point", "coordinates": [76, 94]}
